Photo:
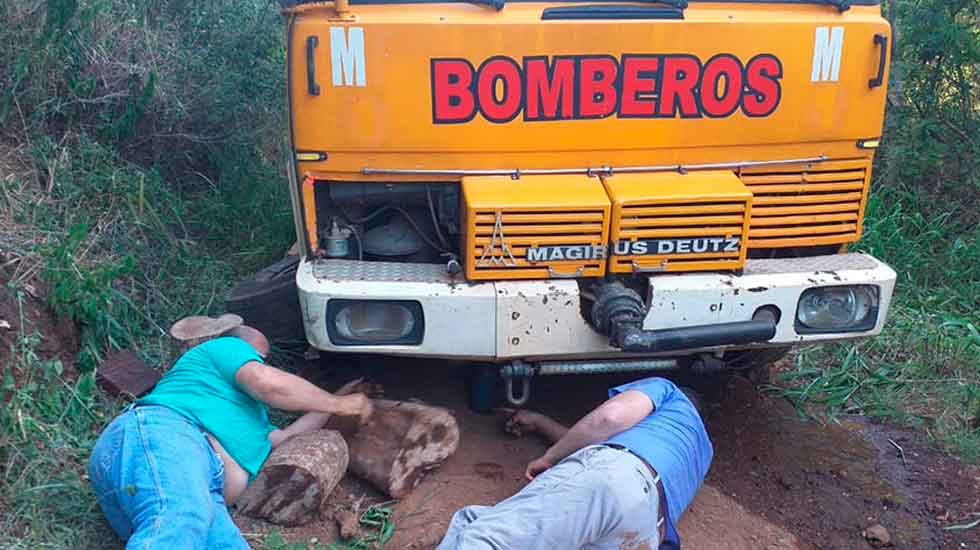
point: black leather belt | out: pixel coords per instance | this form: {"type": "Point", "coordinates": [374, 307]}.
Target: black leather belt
{"type": "Point", "coordinates": [662, 500]}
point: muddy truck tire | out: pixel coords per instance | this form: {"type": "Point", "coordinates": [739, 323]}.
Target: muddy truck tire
{"type": "Point", "coordinates": [269, 302]}
{"type": "Point", "coordinates": [755, 364]}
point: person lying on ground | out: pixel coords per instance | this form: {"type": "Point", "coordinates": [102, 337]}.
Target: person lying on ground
{"type": "Point", "coordinates": [621, 477]}
{"type": "Point", "coordinates": [165, 470]}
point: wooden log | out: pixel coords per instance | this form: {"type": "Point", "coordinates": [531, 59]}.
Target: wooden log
{"type": "Point", "coordinates": [401, 442]}
{"type": "Point", "coordinates": [295, 479]}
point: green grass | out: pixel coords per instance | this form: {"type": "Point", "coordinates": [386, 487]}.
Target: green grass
{"type": "Point", "coordinates": [376, 529]}
{"type": "Point", "coordinates": [119, 258]}
{"type": "Point", "coordinates": [924, 369]}
{"type": "Point", "coordinates": [151, 139]}
{"type": "Point", "coordinates": [148, 179]}
{"type": "Point", "coordinates": [47, 429]}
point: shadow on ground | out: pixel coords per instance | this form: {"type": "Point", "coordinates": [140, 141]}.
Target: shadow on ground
{"type": "Point", "coordinates": [777, 482]}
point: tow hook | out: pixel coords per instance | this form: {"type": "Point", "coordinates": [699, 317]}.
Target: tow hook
{"type": "Point", "coordinates": [520, 372]}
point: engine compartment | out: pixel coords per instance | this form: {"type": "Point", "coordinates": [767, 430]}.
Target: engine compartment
{"type": "Point", "coordinates": [554, 226]}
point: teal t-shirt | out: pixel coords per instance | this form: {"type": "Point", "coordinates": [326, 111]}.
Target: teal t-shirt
{"type": "Point", "coordinates": [201, 387]}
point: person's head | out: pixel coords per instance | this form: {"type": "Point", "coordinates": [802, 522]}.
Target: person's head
{"type": "Point", "coordinates": [695, 399]}
{"type": "Point", "coordinates": [253, 337]}
{"type": "Point", "coordinates": [194, 330]}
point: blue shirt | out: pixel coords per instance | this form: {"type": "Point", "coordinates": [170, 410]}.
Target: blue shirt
{"type": "Point", "coordinates": [672, 440]}
{"type": "Point", "coordinates": [201, 386]}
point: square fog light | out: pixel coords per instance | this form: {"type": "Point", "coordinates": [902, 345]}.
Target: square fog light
{"type": "Point", "coordinates": [849, 308]}
{"type": "Point", "coordinates": [375, 322]}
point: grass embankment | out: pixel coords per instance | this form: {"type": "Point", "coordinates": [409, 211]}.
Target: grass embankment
{"type": "Point", "coordinates": [924, 370]}
{"type": "Point", "coordinates": [148, 141]}
{"type": "Point", "coordinates": [141, 175]}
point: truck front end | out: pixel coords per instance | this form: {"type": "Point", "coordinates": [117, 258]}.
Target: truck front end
{"type": "Point", "coordinates": [585, 186]}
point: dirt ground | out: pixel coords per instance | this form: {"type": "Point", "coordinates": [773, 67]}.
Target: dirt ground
{"type": "Point", "coordinates": [776, 482]}
{"type": "Point", "coordinates": [28, 315]}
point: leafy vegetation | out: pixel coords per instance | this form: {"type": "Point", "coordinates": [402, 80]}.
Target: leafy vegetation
{"type": "Point", "coordinates": [150, 137]}
{"type": "Point", "coordinates": [922, 219]}
{"type": "Point", "coordinates": [48, 426]}
{"type": "Point", "coordinates": [376, 529]}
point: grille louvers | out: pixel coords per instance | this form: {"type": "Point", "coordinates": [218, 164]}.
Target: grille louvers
{"type": "Point", "coordinates": [537, 227]}
{"type": "Point", "coordinates": [516, 232]}
{"type": "Point", "coordinates": [820, 204]}
{"type": "Point", "coordinates": [678, 222]}
{"type": "Point", "coordinates": [548, 226]}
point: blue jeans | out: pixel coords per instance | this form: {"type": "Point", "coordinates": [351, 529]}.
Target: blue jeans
{"type": "Point", "coordinates": [160, 484]}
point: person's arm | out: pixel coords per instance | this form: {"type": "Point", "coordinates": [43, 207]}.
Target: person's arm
{"type": "Point", "coordinates": [520, 422]}
{"type": "Point", "coordinates": [307, 423]}
{"type": "Point", "coordinates": [551, 429]}
{"type": "Point", "coordinates": [315, 420]}
{"type": "Point", "coordinates": [612, 417]}
{"type": "Point", "coordinates": [289, 392]}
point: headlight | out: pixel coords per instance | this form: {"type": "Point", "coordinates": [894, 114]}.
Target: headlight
{"type": "Point", "coordinates": [837, 309]}
{"type": "Point", "coordinates": [367, 323]}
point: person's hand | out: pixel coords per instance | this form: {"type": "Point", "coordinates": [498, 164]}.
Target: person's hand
{"type": "Point", "coordinates": [537, 466]}
{"type": "Point", "coordinates": [520, 422]}
{"type": "Point", "coordinates": [356, 404]}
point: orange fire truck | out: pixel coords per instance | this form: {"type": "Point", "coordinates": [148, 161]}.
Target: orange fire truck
{"type": "Point", "coordinates": [588, 185]}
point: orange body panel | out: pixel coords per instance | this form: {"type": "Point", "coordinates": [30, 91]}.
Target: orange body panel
{"type": "Point", "coordinates": [388, 121]}
{"type": "Point", "coordinates": [377, 90]}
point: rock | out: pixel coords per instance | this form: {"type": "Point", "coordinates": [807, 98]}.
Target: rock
{"type": "Point", "coordinates": [877, 536]}
{"type": "Point", "coordinates": [123, 373]}
{"type": "Point", "coordinates": [784, 482]}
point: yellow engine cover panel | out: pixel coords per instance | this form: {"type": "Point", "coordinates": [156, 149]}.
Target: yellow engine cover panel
{"type": "Point", "coordinates": [678, 222]}
{"type": "Point", "coordinates": [534, 227]}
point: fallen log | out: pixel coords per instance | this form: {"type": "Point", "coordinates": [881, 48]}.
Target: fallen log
{"type": "Point", "coordinates": [295, 479]}
{"type": "Point", "coordinates": [400, 443]}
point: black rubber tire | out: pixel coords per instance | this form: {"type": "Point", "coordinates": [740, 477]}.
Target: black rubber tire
{"type": "Point", "coordinates": [755, 364]}
{"type": "Point", "coordinates": [269, 302]}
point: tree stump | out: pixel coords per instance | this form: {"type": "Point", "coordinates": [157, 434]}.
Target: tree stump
{"type": "Point", "coordinates": [295, 479]}
{"type": "Point", "coordinates": [402, 441]}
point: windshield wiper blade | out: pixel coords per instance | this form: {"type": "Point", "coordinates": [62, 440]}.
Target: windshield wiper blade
{"type": "Point", "coordinates": [679, 4]}
{"type": "Point", "coordinates": [841, 5]}
{"type": "Point", "coordinates": [495, 4]}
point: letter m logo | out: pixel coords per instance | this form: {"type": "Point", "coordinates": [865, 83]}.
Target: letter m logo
{"type": "Point", "coordinates": [827, 46]}
{"type": "Point", "coordinates": [347, 57]}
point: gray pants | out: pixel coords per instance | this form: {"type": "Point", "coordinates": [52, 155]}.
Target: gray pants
{"type": "Point", "coordinates": [596, 499]}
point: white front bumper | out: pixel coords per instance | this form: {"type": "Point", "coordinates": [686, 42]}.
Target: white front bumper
{"type": "Point", "coordinates": [505, 320]}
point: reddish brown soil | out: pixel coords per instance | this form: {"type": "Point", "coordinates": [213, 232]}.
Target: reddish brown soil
{"type": "Point", "coordinates": [58, 338]}
{"type": "Point", "coordinates": [777, 482]}
{"type": "Point", "coordinates": [828, 483]}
